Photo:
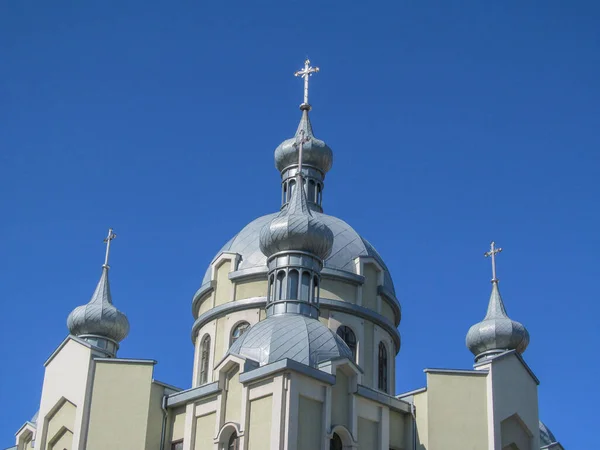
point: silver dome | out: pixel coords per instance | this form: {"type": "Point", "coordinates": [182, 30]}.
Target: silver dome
{"type": "Point", "coordinates": [546, 436]}
{"type": "Point", "coordinates": [296, 229]}
{"type": "Point", "coordinates": [290, 336]}
{"type": "Point", "coordinates": [315, 152]}
{"type": "Point", "coordinates": [99, 317]}
{"type": "Point", "coordinates": [496, 332]}
{"type": "Point", "coordinates": [347, 245]}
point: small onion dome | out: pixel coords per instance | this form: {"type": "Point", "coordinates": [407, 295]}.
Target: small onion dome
{"type": "Point", "coordinates": [99, 317]}
{"type": "Point", "coordinates": [315, 153]}
{"type": "Point", "coordinates": [295, 228]}
{"type": "Point", "coordinates": [290, 336]}
{"type": "Point", "coordinates": [496, 333]}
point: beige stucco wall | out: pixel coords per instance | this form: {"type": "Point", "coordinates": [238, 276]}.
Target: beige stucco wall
{"type": "Point", "coordinates": [422, 420]}
{"type": "Point", "coordinates": [397, 430]}
{"type": "Point", "coordinates": [310, 424]}
{"type": "Point", "coordinates": [61, 419]}
{"type": "Point", "coordinates": [177, 424]}
{"type": "Point", "coordinates": [62, 442]}
{"type": "Point", "coordinates": [367, 434]}
{"type": "Point", "coordinates": [233, 401]}
{"type": "Point", "coordinates": [155, 417]}
{"type": "Point", "coordinates": [259, 428]}
{"type": "Point", "coordinates": [338, 290]}
{"type": "Point", "coordinates": [120, 403]}
{"type": "Point", "coordinates": [204, 430]}
{"type": "Point", "coordinates": [223, 289]}
{"type": "Point", "coordinates": [513, 433]}
{"type": "Point", "coordinates": [368, 356]}
{"type": "Point", "coordinates": [457, 407]}
{"type": "Point", "coordinates": [249, 289]}
{"type": "Point", "coordinates": [340, 400]}
{"type": "Point", "coordinates": [66, 378]}
{"type": "Point", "coordinates": [369, 291]}
{"type": "Point", "coordinates": [514, 392]}
{"type": "Point", "coordinates": [221, 339]}
{"type": "Point", "coordinates": [387, 311]}
{"type": "Point", "coordinates": [207, 303]}
{"type": "Point", "coordinates": [324, 316]}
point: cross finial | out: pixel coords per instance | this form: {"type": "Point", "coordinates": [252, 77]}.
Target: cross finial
{"type": "Point", "coordinates": [492, 253]}
{"type": "Point", "coordinates": [305, 73]}
{"type": "Point", "coordinates": [107, 239]}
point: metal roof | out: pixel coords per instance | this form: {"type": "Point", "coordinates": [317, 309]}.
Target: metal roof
{"type": "Point", "coordinates": [347, 245]}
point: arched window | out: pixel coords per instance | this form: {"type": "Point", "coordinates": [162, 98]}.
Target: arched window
{"type": "Point", "coordinates": [315, 293]}
{"type": "Point", "coordinates": [271, 292]}
{"type": "Point", "coordinates": [204, 358]}
{"type": "Point", "coordinates": [291, 188]}
{"type": "Point", "coordinates": [279, 287]}
{"type": "Point", "coordinates": [284, 192]}
{"type": "Point", "coordinates": [305, 288]}
{"type": "Point", "coordinates": [319, 194]}
{"type": "Point", "coordinates": [311, 191]}
{"type": "Point", "coordinates": [349, 338]}
{"type": "Point", "coordinates": [336, 442]}
{"type": "Point", "coordinates": [238, 330]}
{"type": "Point", "coordinates": [234, 442]}
{"type": "Point", "coordinates": [383, 369]}
{"type": "Point", "coordinates": [293, 285]}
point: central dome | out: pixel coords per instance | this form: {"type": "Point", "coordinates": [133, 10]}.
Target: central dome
{"type": "Point", "coordinates": [347, 245]}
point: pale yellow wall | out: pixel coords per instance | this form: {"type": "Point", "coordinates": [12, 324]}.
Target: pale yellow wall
{"type": "Point", "coordinates": [178, 423]}
{"type": "Point", "coordinates": [457, 407]}
{"type": "Point", "coordinates": [368, 355]}
{"type": "Point", "coordinates": [369, 290]}
{"type": "Point", "coordinates": [310, 424]}
{"type": "Point", "coordinates": [224, 285]}
{"type": "Point", "coordinates": [259, 429]}
{"type": "Point", "coordinates": [387, 311]}
{"type": "Point", "coordinates": [62, 442]}
{"type": "Point", "coordinates": [155, 417]}
{"type": "Point", "coordinates": [397, 430]}
{"type": "Point", "coordinates": [120, 403]}
{"type": "Point", "coordinates": [263, 314]}
{"type": "Point", "coordinates": [207, 303]}
{"type": "Point", "coordinates": [63, 418]}
{"type": "Point", "coordinates": [513, 433]}
{"type": "Point", "coordinates": [340, 400]}
{"type": "Point", "coordinates": [367, 434]}
{"type": "Point", "coordinates": [338, 290]}
{"type": "Point", "coordinates": [233, 402]}
{"type": "Point", "coordinates": [205, 430]}
{"type": "Point", "coordinates": [324, 316]}
{"type": "Point", "coordinates": [66, 377]}
{"type": "Point", "coordinates": [249, 289]}
{"type": "Point", "coordinates": [221, 344]}
{"type": "Point", "coordinates": [514, 392]}
{"type": "Point", "coordinates": [422, 419]}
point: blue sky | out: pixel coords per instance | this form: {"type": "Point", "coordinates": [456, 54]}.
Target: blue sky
{"type": "Point", "coordinates": [452, 123]}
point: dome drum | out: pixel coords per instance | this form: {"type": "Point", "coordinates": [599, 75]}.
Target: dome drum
{"type": "Point", "coordinates": [294, 259]}
{"type": "Point", "coordinates": [293, 307]}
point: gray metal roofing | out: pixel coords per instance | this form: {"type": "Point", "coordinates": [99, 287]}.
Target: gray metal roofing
{"type": "Point", "coordinates": [347, 245]}
{"type": "Point", "coordinates": [290, 336]}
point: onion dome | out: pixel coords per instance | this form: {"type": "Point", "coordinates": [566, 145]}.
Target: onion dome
{"type": "Point", "coordinates": [296, 229]}
{"type": "Point", "coordinates": [99, 318]}
{"type": "Point", "coordinates": [496, 333]}
{"type": "Point", "coordinates": [290, 336]}
{"type": "Point", "coordinates": [316, 153]}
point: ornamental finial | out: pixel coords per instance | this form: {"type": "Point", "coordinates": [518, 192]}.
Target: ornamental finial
{"type": "Point", "coordinates": [492, 253]}
{"type": "Point", "coordinates": [305, 73]}
{"type": "Point", "coordinates": [107, 239]}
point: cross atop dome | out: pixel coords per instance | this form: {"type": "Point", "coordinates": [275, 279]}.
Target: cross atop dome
{"type": "Point", "coordinates": [305, 73]}
{"type": "Point", "coordinates": [492, 253]}
{"type": "Point", "coordinates": [107, 239]}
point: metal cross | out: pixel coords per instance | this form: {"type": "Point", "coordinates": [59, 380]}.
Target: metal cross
{"type": "Point", "coordinates": [493, 252]}
{"type": "Point", "coordinates": [301, 139]}
{"type": "Point", "coordinates": [110, 237]}
{"type": "Point", "coordinates": [305, 73]}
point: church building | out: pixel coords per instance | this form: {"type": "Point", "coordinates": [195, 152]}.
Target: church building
{"type": "Point", "coordinates": [295, 337]}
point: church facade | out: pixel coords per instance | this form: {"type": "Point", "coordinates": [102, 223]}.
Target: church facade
{"type": "Point", "coordinates": [295, 336]}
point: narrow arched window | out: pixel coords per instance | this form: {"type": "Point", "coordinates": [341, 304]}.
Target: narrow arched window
{"type": "Point", "coordinates": [271, 287]}
{"type": "Point", "coordinates": [319, 194]}
{"type": "Point", "coordinates": [204, 358]}
{"type": "Point", "coordinates": [336, 442]}
{"type": "Point", "coordinates": [312, 191]}
{"type": "Point", "coordinates": [315, 293]}
{"type": "Point", "coordinates": [293, 284]}
{"type": "Point", "coordinates": [349, 338]}
{"type": "Point", "coordinates": [291, 188]}
{"type": "Point", "coordinates": [234, 442]}
{"type": "Point", "coordinates": [383, 368]}
{"type": "Point", "coordinates": [279, 287]}
{"type": "Point", "coordinates": [284, 192]}
{"type": "Point", "coordinates": [237, 331]}
{"type": "Point", "coordinates": [305, 286]}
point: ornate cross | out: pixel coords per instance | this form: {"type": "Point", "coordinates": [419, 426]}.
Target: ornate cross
{"type": "Point", "coordinates": [301, 139]}
{"type": "Point", "coordinates": [110, 237]}
{"type": "Point", "coordinates": [305, 73]}
{"type": "Point", "coordinates": [492, 253]}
